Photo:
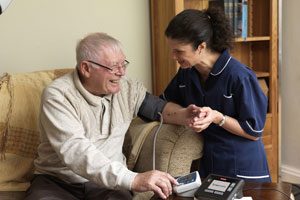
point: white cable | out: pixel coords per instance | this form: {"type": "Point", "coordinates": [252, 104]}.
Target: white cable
{"type": "Point", "coordinates": [154, 140]}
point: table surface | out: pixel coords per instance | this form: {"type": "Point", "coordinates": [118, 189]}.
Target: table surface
{"type": "Point", "coordinates": [258, 191]}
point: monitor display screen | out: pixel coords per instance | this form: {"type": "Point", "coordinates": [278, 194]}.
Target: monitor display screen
{"type": "Point", "coordinates": [219, 185]}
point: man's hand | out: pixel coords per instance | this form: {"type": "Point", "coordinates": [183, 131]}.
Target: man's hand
{"type": "Point", "coordinates": [158, 182]}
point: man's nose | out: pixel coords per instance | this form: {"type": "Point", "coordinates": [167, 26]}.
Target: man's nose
{"type": "Point", "coordinates": [121, 70]}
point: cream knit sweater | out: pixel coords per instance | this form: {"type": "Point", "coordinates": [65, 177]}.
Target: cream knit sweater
{"type": "Point", "coordinates": [73, 147]}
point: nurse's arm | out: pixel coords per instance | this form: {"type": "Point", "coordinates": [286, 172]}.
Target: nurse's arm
{"type": "Point", "coordinates": [216, 117]}
{"type": "Point", "coordinates": [233, 126]}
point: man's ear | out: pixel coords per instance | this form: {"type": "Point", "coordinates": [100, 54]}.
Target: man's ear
{"type": "Point", "coordinates": [84, 69]}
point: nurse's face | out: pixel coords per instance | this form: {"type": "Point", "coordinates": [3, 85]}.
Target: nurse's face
{"type": "Point", "coordinates": [183, 53]}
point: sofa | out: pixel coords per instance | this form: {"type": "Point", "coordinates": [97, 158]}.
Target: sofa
{"type": "Point", "coordinates": [177, 148]}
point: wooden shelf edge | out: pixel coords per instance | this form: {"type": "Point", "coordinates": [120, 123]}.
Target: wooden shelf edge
{"type": "Point", "coordinates": [253, 39]}
{"type": "Point", "coordinates": [260, 74]}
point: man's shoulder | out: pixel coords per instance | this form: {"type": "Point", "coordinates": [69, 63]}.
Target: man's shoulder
{"type": "Point", "coordinates": [131, 89]}
{"type": "Point", "coordinates": [60, 85]}
{"type": "Point", "coordinates": [128, 84]}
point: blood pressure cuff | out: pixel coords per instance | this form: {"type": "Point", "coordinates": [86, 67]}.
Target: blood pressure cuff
{"type": "Point", "coordinates": [150, 107]}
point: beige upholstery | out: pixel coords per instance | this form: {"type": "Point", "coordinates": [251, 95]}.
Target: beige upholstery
{"type": "Point", "coordinates": [176, 146]}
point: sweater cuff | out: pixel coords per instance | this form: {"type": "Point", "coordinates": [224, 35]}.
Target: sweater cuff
{"type": "Point", "coordinates": [127, 180]}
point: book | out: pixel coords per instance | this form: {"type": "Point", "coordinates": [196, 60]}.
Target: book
{"type": "Point", "coordinates": [236, 12]}
{"type": "Point", "coordinates": [244, 19]}
{"type": "Point", "coordinates": [229, 10]}
{"type": "Point", "coordinates": [240, 18]}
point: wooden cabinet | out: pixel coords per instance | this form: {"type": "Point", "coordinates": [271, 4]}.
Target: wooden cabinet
{"type": "Point", "coordinates": [259, 51]}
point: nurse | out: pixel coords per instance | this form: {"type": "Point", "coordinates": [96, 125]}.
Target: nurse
{"type": "Point", "coordinates": [232, 101]}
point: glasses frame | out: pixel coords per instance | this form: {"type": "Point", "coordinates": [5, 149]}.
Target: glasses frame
{"type": "Point", "coordinates": [111, 69]}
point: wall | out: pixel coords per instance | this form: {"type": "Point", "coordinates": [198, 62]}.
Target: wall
{"type": "Point", "coordinates": [290, 92]}
{"type": "Point", "coordinates": [37, 35]}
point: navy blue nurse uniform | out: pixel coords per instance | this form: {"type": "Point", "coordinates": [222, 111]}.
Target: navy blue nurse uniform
{"type": "Point", "coordinates": [232, 89]}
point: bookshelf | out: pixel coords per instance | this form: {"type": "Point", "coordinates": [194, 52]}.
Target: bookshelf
{"type": "Point", "coordinates": [258, 50]}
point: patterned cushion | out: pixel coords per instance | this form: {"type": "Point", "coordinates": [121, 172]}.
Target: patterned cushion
{"type": "Point", "coordinates": [176, 148]}
{"type": "Point", "coordinates": [12, 195]}
{"type": "Point", "coordinates": [19, 136]}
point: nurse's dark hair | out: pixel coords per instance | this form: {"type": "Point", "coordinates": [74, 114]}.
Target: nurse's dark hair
{"type": "Point", "coordinates": [196, 26]}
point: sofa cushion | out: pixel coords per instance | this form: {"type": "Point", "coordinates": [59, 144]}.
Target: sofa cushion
{"type": "Point", "coordinates": [12, 195]}
{"type": "Point", "coordinates": [19, 136]}
{"type": "Point", "coordinates": [175, 150]}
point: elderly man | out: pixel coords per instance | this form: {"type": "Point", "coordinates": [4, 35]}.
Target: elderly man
{"type": "Point", "coordinates": [84, 118]}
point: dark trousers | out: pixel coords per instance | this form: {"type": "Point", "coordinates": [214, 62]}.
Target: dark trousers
{"type": "Point", "coordinates": [46, 187]}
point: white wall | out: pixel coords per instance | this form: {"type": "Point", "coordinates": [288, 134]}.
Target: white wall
{"type": "Point", "coordinates": [290, 92]}
{"type": "Point", "coordinates": [37, 35]}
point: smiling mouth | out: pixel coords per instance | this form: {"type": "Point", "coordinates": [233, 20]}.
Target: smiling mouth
{"type": "Point", "coordinates": [114, 81]}
{"type": "Point", "coordinates": [181, 62]}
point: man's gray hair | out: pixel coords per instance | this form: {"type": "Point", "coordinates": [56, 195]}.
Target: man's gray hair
{"type": "Point", "coordinates": [89, 47]}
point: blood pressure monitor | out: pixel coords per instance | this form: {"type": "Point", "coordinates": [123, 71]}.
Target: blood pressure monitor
{"type": "Point", "coordinates": [220, 188]}
{"type": "Point", "coordinates": [187, 185]}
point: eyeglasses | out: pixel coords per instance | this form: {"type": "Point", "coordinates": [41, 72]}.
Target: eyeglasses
{"type": "Point", "coordinates": [114, 68]}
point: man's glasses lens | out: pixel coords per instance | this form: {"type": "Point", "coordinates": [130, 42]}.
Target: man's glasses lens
{"type": "Point", "coordinates": [114, 68]}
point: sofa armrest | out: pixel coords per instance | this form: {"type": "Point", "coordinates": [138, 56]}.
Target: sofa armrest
{"type": "Point", "coordinates": [176, 148]}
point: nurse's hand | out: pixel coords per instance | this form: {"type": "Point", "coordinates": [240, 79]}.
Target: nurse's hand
{"type": "Point", "coordinates": [192, 113]}
{"type": "Point", "coordinates": [204, 119]}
